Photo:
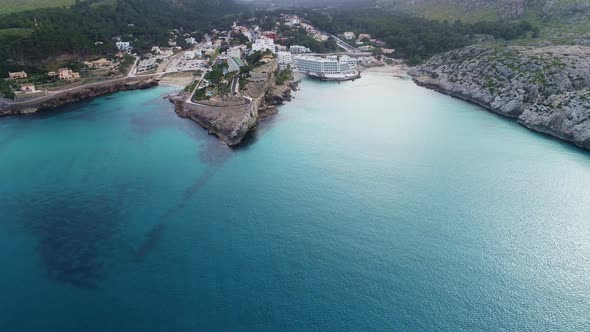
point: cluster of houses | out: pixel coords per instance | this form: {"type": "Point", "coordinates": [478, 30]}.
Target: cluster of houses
{"type": "Point", "coordinates": [314, 33]}
{"type": "Point", "coordinates": [291, 20]}
{"type": "Point", "coordinates": [28, 90]}
{"type": "Point", "coordinates": [147, 65]}
{"type": "Point", "coordinates": [361, 40]}
{"type": "Point", "coordinates": [243, 30]}
{"type": "Point", "coordinates": [100, 63]}
{"type": "Point", "coordinates": [370, 61]}
{"type": "Point", "coordinates": [294, 21]}
{"type": "Point", "coordinates": [150, 60]}
{"type": "Point", "coordinates": [264, 44]}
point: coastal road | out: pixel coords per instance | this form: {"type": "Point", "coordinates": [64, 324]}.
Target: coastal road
{"type": "Point", "coordinates": [190, 97]}
{"type": "Point", "coordinates": [342, 44]}
{"type": "Point", "coordinates": [347, 47]}
{"type": "Point", "coordinates": [254, 37]}
{"type": "Point", "coordinates": [131, 72]}
{"type": "Point", "coordinates": [353, 54]}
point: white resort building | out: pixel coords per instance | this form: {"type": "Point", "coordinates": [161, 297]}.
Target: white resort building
{"type": "Point", "coordinates": [330, 67]}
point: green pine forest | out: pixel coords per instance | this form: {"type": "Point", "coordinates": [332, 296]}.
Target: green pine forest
{"type": "Point", "coordinates": [32, 38]}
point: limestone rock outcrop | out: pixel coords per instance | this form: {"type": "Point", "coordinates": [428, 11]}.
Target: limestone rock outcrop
{"type": "Point", "coordinates": [546, 89]}
{"type": "Point", "coordinates": [232, 118]}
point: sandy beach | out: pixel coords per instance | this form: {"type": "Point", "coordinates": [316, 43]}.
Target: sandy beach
{"type": "Point", "coordinates": [396, 70]}
{"type": "Point", "coordinates": [180, 79]}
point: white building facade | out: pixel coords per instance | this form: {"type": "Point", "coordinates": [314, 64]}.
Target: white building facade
{"type": "Point", "coordinates": [123, 46]}
{"type": "Point", "coordinates": [298, 49]}
{"type": "Point", "coordinates": [285, 60]}
{"type": "Point", "coordinates": [349, 35]}
{"type": "Point", "coordinates": [189, 55]}
{"type": "Point", "coordinates": [147, 65]}
{"type": "Point", "coordinates": [263, 44]}
{"type": "Point", "coordinates": [331, 65]}
{"type": "Point", "coordinates": [235, 52]}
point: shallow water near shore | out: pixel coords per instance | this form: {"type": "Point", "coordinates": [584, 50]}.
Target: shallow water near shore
{"type": "Point", "coordinates": [366, 205]}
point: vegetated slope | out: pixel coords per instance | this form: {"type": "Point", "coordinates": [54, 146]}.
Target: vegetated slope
{"type": "Point", "coordinates": [14, 6]}
{"type": "Point", "coordinates": [415, 38]}
{"type": "Point", "coordinates": [29, 36]}
{"type": "Point", "coordinates": [476, 10]}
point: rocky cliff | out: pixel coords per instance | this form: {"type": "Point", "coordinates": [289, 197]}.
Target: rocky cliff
{"type": "Point", "coordinates": [546, 89]}
{"type": "Point", "coordinates": [59, 98]}
{"type": "Point", "coordinates": [229, 121]}
{"type": "Point", "coordinates": [262, 87]}
{"type": "Point", "coordinates": [232, 118]}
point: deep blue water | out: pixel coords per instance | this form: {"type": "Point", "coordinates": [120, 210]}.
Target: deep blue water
{"type": "Point", "coordinates": [372, 205]}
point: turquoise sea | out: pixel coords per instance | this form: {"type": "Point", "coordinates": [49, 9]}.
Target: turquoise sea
{"type": "Point", "coordinates": [373, 205]}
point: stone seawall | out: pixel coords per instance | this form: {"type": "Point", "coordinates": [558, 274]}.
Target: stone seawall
{"type": "Point", "coordinates": [86, 91]}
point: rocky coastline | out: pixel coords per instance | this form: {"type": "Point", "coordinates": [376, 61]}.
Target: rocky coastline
{"type": "Point", "coordinates": [232, 118]}
{"type": "Point", "coordinates": [546, 89]}
{"type": "Point", "coordinates": [83, 92]}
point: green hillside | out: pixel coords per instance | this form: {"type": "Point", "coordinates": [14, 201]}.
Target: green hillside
{"type": "Point", "coordinates": [561, 11]}
{"type": "Point", "coordinates": [14, 6]}
{"type": "Point", "coordinates": [85, 29]}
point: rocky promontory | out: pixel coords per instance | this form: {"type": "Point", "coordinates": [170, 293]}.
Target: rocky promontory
{"type": "Point", "coordinates": [74, 94]}
{"type": "Point", "coordinates": [546, 89]}
{"type": "Point", "coordinates": [231, 118]}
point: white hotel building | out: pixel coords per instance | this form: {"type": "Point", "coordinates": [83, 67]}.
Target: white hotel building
{"type": "Point", "coordinates": [263, 44]}
{"type": "Point", "coordinates": [326, 67]}
{"type": "Point", "coordinates": [285, 59]}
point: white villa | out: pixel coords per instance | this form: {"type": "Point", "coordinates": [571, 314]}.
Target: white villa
{"type": "Point", "coordinates": [147, 65]}
{"type": "Point", "coordinates": [67, 74]}
{"type": "Point", "coordinates": [235, 52]}
{"type": "Point", "coordinates": [298, 49]}
{"type": "Point", "coordinates": [349, 35]}
{"type": "Point", "coordinates": [124, 46]}
{"type": "Point", "coordinates": [18, 74]}
{"type": "Point", "coordinates": [27, 88]}
{"type": "Point", "coordinates": [189, 55]}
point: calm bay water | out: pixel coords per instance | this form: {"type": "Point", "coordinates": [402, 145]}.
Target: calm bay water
{"type": "Point", "coordinates": [370, 205]}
